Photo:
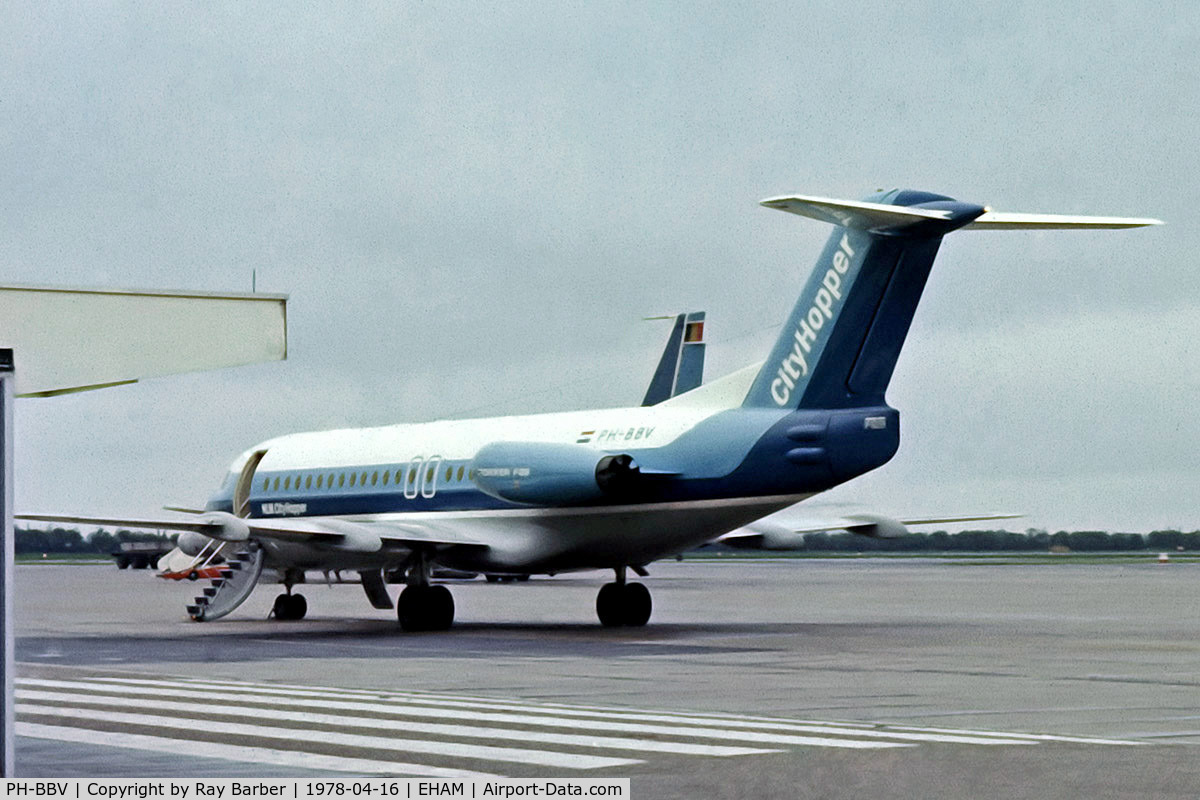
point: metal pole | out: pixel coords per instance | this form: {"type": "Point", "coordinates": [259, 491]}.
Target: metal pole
{"type": "Point", "coordinates": [6, 561]}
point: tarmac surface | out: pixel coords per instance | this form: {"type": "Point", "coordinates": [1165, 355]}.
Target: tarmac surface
{"type": "Point", "coordinates": [755, 678]}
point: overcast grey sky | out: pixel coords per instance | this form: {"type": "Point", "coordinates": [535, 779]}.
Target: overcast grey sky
{"type": "Point", "coordinates": [473, 205]}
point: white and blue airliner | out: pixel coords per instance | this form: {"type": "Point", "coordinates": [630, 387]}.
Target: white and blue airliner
{"type": "Point", "coordinates": [609, 489]}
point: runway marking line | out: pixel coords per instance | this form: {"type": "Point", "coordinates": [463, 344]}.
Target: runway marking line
{"type": "Point", "coordinates": [606, 712]}
{"type": "Point", "coordinates": [228, 752]}
{"type": "Point", "coordinates": [405, 726]}
{"type": "Point", "coordinates": [321, 718]}
{"type": "Point", "coordinates": [538, 758]}
{"type": "Point", "coordinates": [403, 703]}
{"type": "Point", "coordinates": [591, 725]}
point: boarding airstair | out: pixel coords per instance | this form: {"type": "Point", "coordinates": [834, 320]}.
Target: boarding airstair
{"type": "Point", "coordinates": [234, 584]}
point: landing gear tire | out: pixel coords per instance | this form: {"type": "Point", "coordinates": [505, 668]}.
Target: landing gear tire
{"type": "Point", "coordinates": [625, 604]}
{"type": "Point", "coordinates": [425, 608]}
{"type": "Point", "coordinates": [290, 607]}
{"type": "Point", "coordinates": [637, 605]}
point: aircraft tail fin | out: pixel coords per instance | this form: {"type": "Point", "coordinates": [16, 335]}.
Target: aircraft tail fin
{"type": "Point", "coordinates": [681, 367]}
{"type": "Point", "coordinates": [840, 344]}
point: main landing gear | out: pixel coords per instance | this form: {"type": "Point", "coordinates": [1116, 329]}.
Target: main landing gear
{"type": "Point", "coordinates": [290, 607]}
{"type": "Point", "coordinates": [623, 604]}
{"type": "Point", "coordinates": [423, 606]}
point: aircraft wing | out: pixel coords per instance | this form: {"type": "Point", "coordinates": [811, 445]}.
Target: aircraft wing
{"type": "Point", "coordinates": [785, 530]}
{"type": "Point", "coordinates": [206, 527]}
{"type": "Point", "coordinates": [366, 536]}
{"type": "Point", "coordinates": [943, 520]}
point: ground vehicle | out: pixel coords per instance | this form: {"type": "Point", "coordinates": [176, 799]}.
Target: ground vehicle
{"type": "Point", "coordinates": [140, 555]}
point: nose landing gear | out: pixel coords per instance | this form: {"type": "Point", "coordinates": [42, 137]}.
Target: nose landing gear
{"type": "Point", "coordinates": [290, 607]}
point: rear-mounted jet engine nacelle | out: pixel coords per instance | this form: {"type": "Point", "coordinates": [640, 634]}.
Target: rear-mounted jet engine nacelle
{"type": "Point", "coordinates": [541, 473]}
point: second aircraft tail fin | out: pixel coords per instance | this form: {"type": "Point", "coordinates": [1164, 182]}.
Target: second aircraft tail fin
{"type": "Point", "coordinates": [681, 367]}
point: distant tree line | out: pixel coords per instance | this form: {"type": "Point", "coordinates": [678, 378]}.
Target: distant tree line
{"type": "Point", "coordinates": [70, 540]}
{"type": "Point", "coordinates": [1003, 541]}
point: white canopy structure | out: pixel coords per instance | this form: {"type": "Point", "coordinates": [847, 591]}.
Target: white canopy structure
{"type": "Point", "coordinates": [55, 341]}
{"type": "Point", "coordinates": [73, 340]}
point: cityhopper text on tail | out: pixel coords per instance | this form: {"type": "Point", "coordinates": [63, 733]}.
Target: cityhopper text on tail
{"type": "Point", "coordinates": [610, 489]}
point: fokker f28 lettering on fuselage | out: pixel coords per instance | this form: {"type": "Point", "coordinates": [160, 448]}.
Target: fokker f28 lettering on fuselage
{"type": "Point", "coordinates": [612, 489]}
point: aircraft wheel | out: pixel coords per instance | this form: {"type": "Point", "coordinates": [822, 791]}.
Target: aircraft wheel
{"type": "Point", "coordinates": [425, 608]}
{"type": "Point", "coordinates": [408, 608]}
{"type": "Point", "coordinates": [439, 608]}
{"type": "Point", "coordinates": [636, 605]}
{"type": "Point", "coordinates": [290, 607]}
{"type": "Point", "coordinates": [623, 604]}
{"type": "Point", "coordinates": [122, 562]}
{"type": "Point", "coordinates": [608, 605]}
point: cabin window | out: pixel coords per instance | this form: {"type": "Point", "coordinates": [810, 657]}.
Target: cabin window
{"type": "Point", "coordinates": [374, 478]}
{"type": "Point", "coordinates": [320, 480]}
{"type": "Point", "coordinates": [266, 483]}
{"type": "Point", "coordinates": [386, 476]}
{"type": "Point", "coordinates": [277, 483]}
{"type": "Point", "coordinates": [308, 481]}
{"type": "Point", "coordinates": [449, 472]}
{"type": "Point", "coordinates": [353, 478]}
{"type": "Point", "coordinates": [460, 473]}
{"type": "Point", "coordinates": [287, 482]}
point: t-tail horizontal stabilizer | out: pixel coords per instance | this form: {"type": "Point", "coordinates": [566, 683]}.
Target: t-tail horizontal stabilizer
{"type": "Point", "coordinates": [840, 344]}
